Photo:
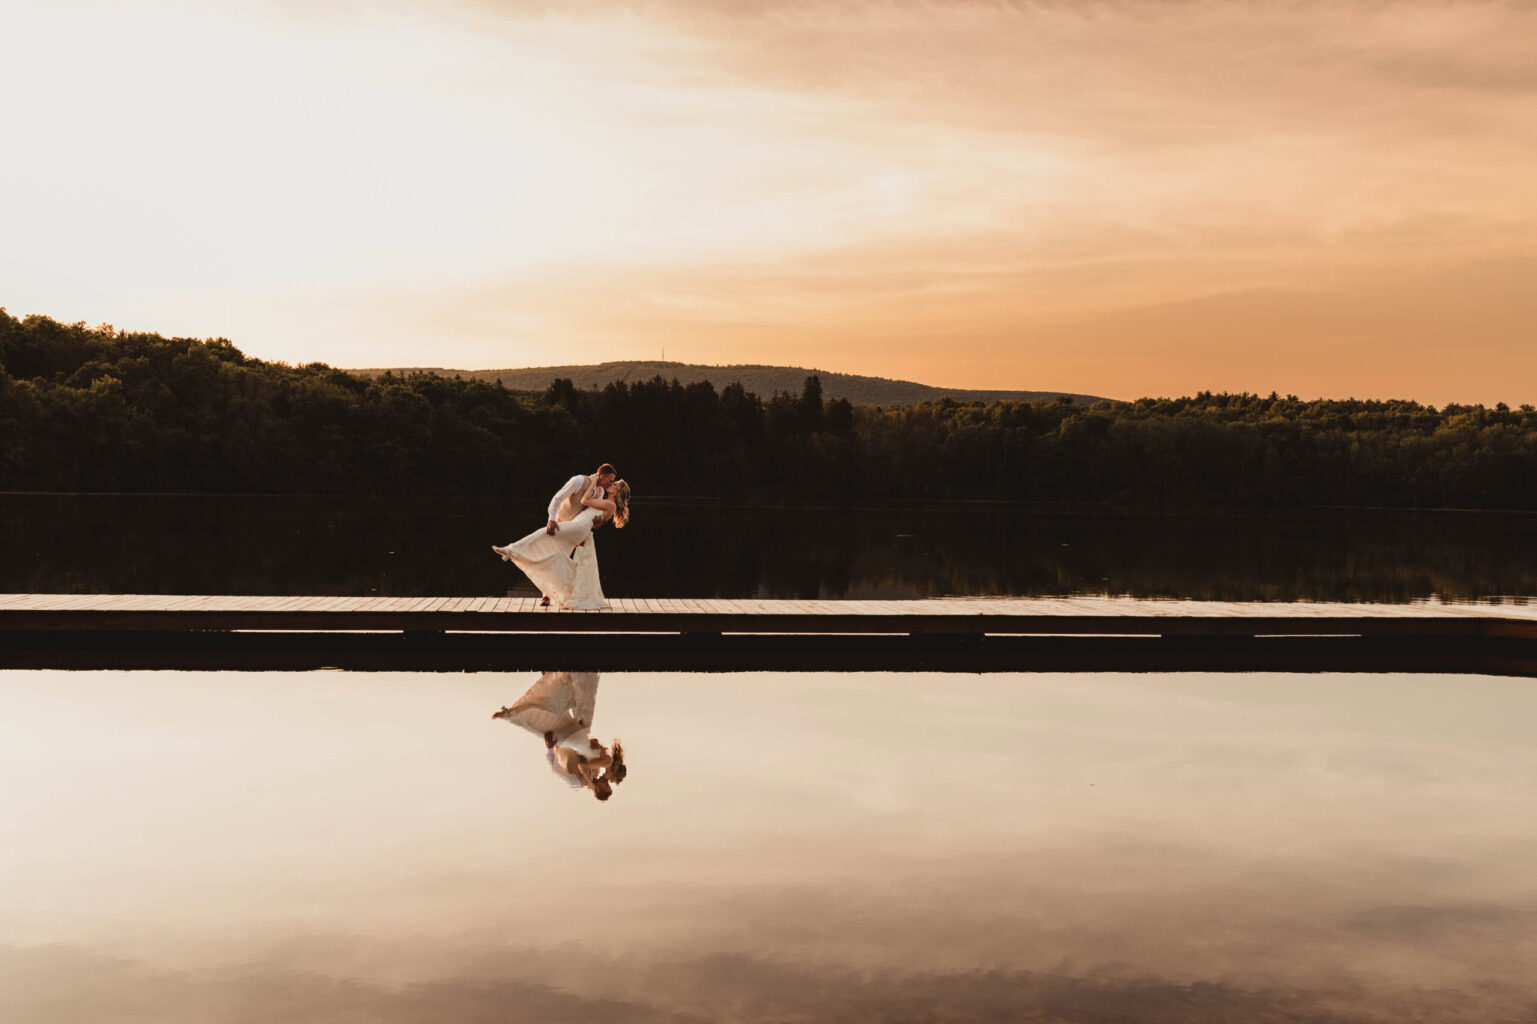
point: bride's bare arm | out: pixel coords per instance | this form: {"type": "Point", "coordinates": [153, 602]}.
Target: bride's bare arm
{"type": "Point", "coordinates": [592, 501]}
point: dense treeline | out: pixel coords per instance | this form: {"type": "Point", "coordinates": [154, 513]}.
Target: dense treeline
{"type": "Point", "coordinates": [93, 409]}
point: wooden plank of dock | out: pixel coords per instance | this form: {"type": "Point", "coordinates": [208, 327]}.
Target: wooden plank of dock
{"type": "Point", "coordinates": [1013, 615]}
{"type": "Point", "coordinates": [981, 634]}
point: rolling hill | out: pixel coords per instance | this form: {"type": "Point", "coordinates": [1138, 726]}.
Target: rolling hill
{"type": "Point", "coordinates": [761, 380]}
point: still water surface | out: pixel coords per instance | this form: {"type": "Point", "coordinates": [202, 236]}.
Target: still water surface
{"type": "Point", "coordinates": [817, 847]}
{"type": "Point", "coordinates": [309, 545]}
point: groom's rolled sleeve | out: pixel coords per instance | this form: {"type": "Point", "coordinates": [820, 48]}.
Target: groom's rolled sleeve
{"type": "Point", "coordinates": [572, 486]}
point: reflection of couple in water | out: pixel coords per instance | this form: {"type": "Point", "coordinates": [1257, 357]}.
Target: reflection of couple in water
{"type": "Point", "coordinates": [559, 708]}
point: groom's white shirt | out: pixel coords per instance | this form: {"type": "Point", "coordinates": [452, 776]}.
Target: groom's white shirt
{"type": "Point", "coordinates": [572, 486]}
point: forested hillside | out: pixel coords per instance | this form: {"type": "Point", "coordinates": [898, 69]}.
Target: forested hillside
{"type": "Point", "coordinates": [91, 409]}
{"type": "Point", "coordinates": [762, 380]}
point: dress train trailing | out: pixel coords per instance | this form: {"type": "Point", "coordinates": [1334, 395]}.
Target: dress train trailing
{"type": "Point", "coordinates": [564, 566]}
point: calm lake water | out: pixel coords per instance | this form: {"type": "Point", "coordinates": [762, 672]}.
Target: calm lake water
{"type": "Point", "coordinates": [309, 545]}
{"type": "Point", "coordinates": [183, 847]}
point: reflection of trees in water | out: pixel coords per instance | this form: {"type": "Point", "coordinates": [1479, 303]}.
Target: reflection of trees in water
{"type": "Point", "coordinates": [199, 544]}
{"type": "Point", "coordinates": [1345, 556]}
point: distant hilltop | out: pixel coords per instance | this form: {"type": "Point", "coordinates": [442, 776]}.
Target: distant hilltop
{"type": "Point", "coordinates": [763, 381]}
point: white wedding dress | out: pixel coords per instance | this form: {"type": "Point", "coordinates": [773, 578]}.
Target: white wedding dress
{"type": "Point", "coordinates": [562, 704]}
{"type": "Point", "coordinates": [564, 566]}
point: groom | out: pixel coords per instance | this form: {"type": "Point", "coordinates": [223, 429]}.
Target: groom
{"type": "Point", "coordinates": [568, 500]}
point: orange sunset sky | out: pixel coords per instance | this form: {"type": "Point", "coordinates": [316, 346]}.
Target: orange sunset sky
{"type": "Point", "coordinates": [1122, 199]}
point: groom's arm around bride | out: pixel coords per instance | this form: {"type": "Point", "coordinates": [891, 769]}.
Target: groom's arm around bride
{"type": "Point", "coordinates": [568, 500]}
{"type": "Point", "coordinates": [572, 487]}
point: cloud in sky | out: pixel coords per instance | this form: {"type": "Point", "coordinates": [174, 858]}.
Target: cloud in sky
{"type": "Point", "coordinates": [970, 194]}
{"type": "Point", "coordinates": [48, 990]}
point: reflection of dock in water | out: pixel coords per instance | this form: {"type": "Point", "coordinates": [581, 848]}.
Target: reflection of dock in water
{"type": "Point", "coordinates": [661, 634]}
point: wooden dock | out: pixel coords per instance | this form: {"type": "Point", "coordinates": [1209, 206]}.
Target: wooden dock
{"type": "Point", "coordinates": [94, 631]}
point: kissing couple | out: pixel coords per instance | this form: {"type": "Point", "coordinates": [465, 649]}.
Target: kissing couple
{"type": "Point", "coordinates": [560, 558]}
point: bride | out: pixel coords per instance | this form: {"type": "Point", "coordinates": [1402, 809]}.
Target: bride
{"type": "Point", "coordinates": [564, 565]}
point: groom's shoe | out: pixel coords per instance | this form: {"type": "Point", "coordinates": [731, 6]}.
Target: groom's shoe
{"type": "Point", "coordinates": [544, 602]}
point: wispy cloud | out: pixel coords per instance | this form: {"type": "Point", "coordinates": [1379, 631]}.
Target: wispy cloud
{"type": "Point", "coordinates": [498, 984]}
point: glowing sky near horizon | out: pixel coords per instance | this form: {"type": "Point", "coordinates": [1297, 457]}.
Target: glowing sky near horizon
{"type": "Point", "coordinates": [1121, 198]}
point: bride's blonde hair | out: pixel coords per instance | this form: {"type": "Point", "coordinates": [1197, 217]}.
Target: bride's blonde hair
{"type": "Point", "coordinates": [621, 504]}
{"type": "Point", "coordinates": [617, 771]}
